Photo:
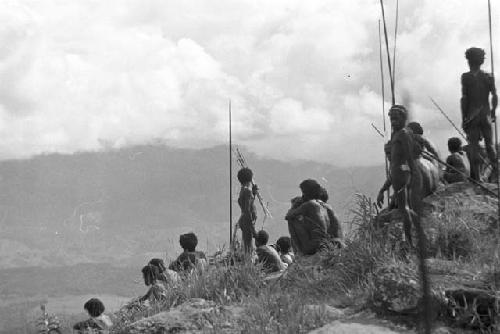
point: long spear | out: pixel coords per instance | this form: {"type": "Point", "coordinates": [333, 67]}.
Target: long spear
{"type": "Point", "coordinates": [388, 54]}
{"type": "Point", "coordinates": [394, 50]}
{"type": "Point", "coordinates": [383, 104]}
{"type": "Point", "coordinates": [494, 119]}
{"type": "Point", "coordinates": [230, 182]}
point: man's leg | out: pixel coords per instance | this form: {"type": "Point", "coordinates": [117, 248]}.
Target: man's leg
{"type": "Point", "coordinates": [401, 194]}
{"type": "Point", "coordinates": [473, 134]}
{"type": "Point", "coordinates": [247, 238]}
{"type": "Point", "coordinates": [488, 143]}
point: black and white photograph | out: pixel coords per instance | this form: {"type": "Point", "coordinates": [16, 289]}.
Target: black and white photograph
{"type": "Point", "coordinates": [249, 166]}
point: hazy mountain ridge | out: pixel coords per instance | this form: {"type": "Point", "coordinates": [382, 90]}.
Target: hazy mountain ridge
{"type": "Point", "coordinates": [114, 206]}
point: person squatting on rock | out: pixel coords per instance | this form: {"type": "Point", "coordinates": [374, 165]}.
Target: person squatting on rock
{"type": "Point", "coordinates": [284, 248]}
{"type": "Point", "coordinates": [246, 201]}
{"type": "Point", "coordinates": [459, 167]}
{"type": "Point", "coordinates": [189, 259]}
{"type": "Point", "coordinates": [477, 115]}
{"type": "Point", "coordinates": [267, 255]}
{"type": "Point", "coordinates": [167, 276]}
{"type": "Point", "coordinates": [98, 321]}
{"type": "Point", "coordinates": [308, 219]}
{"type": "Point", "coordinates": [157, 290]}
{"type": "Point", "coordinates": [406, 179]}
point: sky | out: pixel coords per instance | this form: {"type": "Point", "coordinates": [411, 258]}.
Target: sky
{"type": "Point", "coordinates": [303, 77]}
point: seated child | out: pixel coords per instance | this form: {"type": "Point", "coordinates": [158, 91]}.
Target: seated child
{"type": "Point", "coordinates": [98, 322]}
{"type": "Point", "coordinates": [267, 255]}
{"type": "Point", "coordinates": [190, 258]}
{"type": "Point", "coordinates": [167, 276]}
{"type": "Point", "coordinates": [458, 160]}
{"type": "Point", "coordinates": [283, 246]}
{"type": "Point", "coordinates": [157, 290]}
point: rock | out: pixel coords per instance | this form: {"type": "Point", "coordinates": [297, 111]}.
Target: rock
{"type": "Point", "coordinates": [328, 311]}
{"type": "Point", "coordinates": [193, 316]}
{"type": "Point", "coordinates": [338, 327]}
{"type": "Point", "coordinates": [396, 288]}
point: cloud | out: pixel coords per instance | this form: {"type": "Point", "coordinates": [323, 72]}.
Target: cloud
{"type": "Point", "coordinates": [303, 78]}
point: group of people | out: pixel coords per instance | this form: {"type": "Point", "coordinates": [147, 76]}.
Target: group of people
{"type": "Point", "coordinates": [414, 172]}
{"type": "Point", "coordinates": [157, 277]}
{"type": "Point", "coordinates": [312, 224]}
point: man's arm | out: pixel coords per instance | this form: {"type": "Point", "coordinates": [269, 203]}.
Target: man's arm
{"type": "Point", "coordinates": [299, 211]}
{"type": "Point", "coordinates": [430, 148]}
{"type": "Point", "coordinates": [494, 97]}
{"type": "Point", "coordinates": [463, 99]}
{"type": "Point", "coordinates": [385, 187]}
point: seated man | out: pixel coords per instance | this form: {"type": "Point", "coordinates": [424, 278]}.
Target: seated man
{"type": "Point", "coordinates": [459, 167]}
{"type": "Point", "coordinates": [167, 276]}
{"type": "Point", "coordinates": [98, 322]}
{"type": "Point", "coordinates": [190, 258]}
{"type": "Point", "coordinates": [284, 247]}
{"type": "Point", "coordinates": [267, 255]}
{"type": "Point", "coordinates": [334, 229]}
{"type": "Point", "coordinates": [309, 220]}
{"type": "Point", "coordinates": [157, 290]}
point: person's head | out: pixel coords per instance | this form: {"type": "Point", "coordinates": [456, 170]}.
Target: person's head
{"type": "Point", "coordinates": [398, 115]}
{"type": "Point", "coordinates": [475, 56]}
{"type": "Point", "coordinates": [94, 307]}
{"type": "Point", "coordinates": [284, 244]}
{"type": "Point", "coordinates": [261, 238]}
{"type": "Point", "coordinates": [245, 175]}
{"type": "Point", "coordinates": [311, 189]}
{"type": "Point", "coordinates": [454, 145]}
{"type": "Point", "coordinates": [150, 274]}
{"type": "Point", "coordinates": [188, 241]}
{"type": "Point", "coordinates": [416, 128]}
{"type": "Point", "coordinates": [159, 264]}
{"type": "Point", "coordinates": [323, 195]}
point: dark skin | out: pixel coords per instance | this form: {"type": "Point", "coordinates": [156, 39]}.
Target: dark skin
{"type": "Point", "coordinates": [401, 166]}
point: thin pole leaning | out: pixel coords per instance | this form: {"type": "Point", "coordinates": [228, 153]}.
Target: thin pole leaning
{"type": "Point", "coordinates": [383, 105]}
{"type": "Point", "coordinates": [230, 182]}
{"type": "Point", "coordinates": [393, 100]}
{"type": "Point", "coordinates": [394, 49]}
{"type": "Point", "coordinates": [496, 127]}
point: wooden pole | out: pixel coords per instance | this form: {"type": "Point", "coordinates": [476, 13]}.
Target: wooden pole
{"type": "Point", "coordinates": [494, 119]}
{"type": "Point", "coordinates": [383, 106]}
{"type": "Point", "coordinates": [394, 49]}
{"type": "Point", "coordinates": [230, 182]}
{"type": "Point", "coordinates": [393, 99]}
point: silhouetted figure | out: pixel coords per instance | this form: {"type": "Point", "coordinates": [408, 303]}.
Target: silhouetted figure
{"type": "Point", "coordinates": [284, 248]}
{"type": "Point", "coordinates": [157, 291]}
{"type": "Point", "coordinates": [190, 258]}
{"type": "Point", "coordinates": [460, 167]}
{"type": "Point", "coordinates": [167, 276]}
{"type": "Point", "coordinates": [246, 201]}
{"type": "Point", "coordinates": [98, 321]}
{"type": "Point", "coordinates": [405, 177]}
{"type": "Point", "coordinates": [267, 255]}
{"type": "Point", "coordinates": [477, 115]}
{"type": "Point", "coordinates": [309, 221]}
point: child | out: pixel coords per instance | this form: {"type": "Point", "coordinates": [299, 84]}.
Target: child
{"type": "Point", "coordinates": [190, 258]}
{"type": "Point", "coordinates": [267, 255]}
{"type": "Point", "coordinates": [284, 245]}
{"type": "Point", "coordinates": [167, 276]}
{"type": "Point", "coordinates": [98, 322]}
{"type": "Point", "coordinates": [460, 167]}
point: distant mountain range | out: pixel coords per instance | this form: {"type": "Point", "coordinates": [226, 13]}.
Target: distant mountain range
{"type": "Point", "coordinates": [123, 206]}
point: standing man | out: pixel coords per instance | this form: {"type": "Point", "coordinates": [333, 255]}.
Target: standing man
{"type": "Point", "coordinates": [405, 177]}
{"type": "Point", "coordinates": [246, 201]}
{"type": "Point", "coordinates": [477, 115]}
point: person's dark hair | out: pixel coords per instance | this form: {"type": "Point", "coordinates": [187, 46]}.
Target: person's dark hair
{"type": "Point", "coordinates": [159, 264]}
{"type": "Point", "coordinates": [150, 274]}
{"type": "Point", "coordinates": [323, 195]}
{"type": "Point", "coordinates": [94, 307]}
{"type": "Point", "coordinates": [475, 56]}
{"type": "Point", "coordinates": [262, 237]}
{"type": "Point", "coordinates": [454, 144]}
{"type": "Point", "coordinates": [311, 189]}
{"type": "Point", "coordinates": [397, 108]}
{"type": "Point", "coordinates": [284, 244]}
{"type": "Point", "coordinates": [416, 128]}
{"type": "Point", "coordinates": [245, 175]}
{"type": "Point", "coordinates": [188, 241]}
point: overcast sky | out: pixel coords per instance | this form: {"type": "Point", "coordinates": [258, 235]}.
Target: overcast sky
{"type": "Point", "coordinates": [303, 76]}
